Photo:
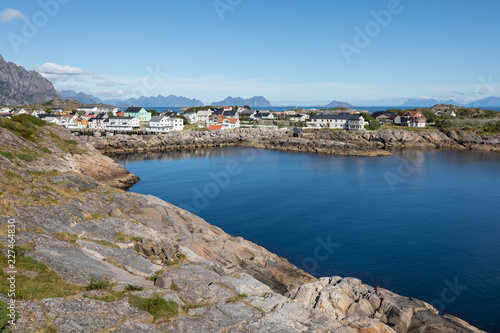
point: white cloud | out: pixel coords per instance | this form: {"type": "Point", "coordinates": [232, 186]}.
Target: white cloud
{"type": "Point", "coordinates": [55, 69]}
{"type": "Point", "coordinates": [9, 14]}
{"type": "Point", "coordinates": [107, 83]}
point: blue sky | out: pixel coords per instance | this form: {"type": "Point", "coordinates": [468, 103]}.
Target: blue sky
{"type": "Point", "coordinates": [287, 51]}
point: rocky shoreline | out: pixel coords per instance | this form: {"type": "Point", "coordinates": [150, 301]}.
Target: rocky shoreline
{"type": "Point", "coordinates": [370, 144]}
{"type": "Point", "coordinates": [74, 227]}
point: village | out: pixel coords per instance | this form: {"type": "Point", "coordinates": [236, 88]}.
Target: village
{"type": "Point", "coordinates": [139, 119]}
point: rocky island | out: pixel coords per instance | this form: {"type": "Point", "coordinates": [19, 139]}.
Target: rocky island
{"type": "Point", "coordinates": [91, 257]}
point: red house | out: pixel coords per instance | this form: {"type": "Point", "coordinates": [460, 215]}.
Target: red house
{"type": "Point", "coordinates": [413, 119]}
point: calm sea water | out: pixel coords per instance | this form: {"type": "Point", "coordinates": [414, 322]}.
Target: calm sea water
{"type": "Point", "coordinates": [424, 224]}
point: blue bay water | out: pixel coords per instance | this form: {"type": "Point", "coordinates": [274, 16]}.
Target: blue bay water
{"type": "Point", "coordinates": [413, 223]}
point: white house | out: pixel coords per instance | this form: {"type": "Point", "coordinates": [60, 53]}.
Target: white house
{"type": "Point", "coordinates": [68, 121]}
{"type": "Point", "coordinates": [231, 114]}
{"type": "Point", "coordinates": [192, 117]}
{"type": "Point", "coordinates": [413, 119]}
{"type": "Point", "coordinates": [353, 122]}
{"type": "Point", "coordinates": [50, 118]}
{"type": "Point", "coordinates": [88, 109]}
{"type": "Point", "coordinates": [449, 113]}
{"type": "Point", "coordinates": [121, 123]}
{"type": "Point", "coordinates": [97, 123]}
{"type": "Point", "coordinates": [223, 123]}
{"type": "Point", "coordinates": [204, 116]}
{"type": "Point", "coordinates": [19, 112]}
{"type": "Point", "coordinates": [263, 115]}
{"type": "Point", "coordinates": [5, 110]}
{"type": "Point", "coordinates": [229, 123]}
{"type": "Point", "coordinates": [163, 124]}
{"type": "Point", "coordinates": [298, 117]}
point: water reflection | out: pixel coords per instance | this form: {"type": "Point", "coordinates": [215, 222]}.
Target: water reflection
{"type": "Point", "coordinates": [172, 155]}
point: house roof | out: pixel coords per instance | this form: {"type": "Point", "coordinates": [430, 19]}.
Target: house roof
{"type": "Point", "coordinates": [231, 120]}
{"type": "Point", "coordinates": [215, 127]}
{"type": "Point", "coordinates": [230, 113]}
{"type": "Point", "coordinates": [204, 113]}
{"type": "Point", "coordinates": [156, 119]}
{"type": "Point", "coordinates": [133, 110]}
{"type": "Point", "coordinates": [125, 118]}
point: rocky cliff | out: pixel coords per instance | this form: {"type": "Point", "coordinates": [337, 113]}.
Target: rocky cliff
{"type": "Point", "coordinates": [258, 138]}
{"type": "Point", "coordinates": [21, 87]}
{"type": "Point", "coordinates": [369, 143]}
{"type": "Point", "coordinates": [93, 258]}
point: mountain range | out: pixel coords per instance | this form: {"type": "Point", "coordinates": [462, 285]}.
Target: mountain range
{"type": "Point", "coordinates": [79, 97]}
{"type": "Point", "coordinates": [158, 101]}
{"type": "Point", "coordinates": [429, 102]}
{"type": "Point", "coordinates": [20, 87]}
{"type": "Point", "coordinates": [254, 102]}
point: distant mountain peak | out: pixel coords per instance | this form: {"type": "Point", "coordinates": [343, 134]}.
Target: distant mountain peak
{"type": "Point", "coordinates": [338, 104]}
{"type": "Point", "coordinates": [254, 102]}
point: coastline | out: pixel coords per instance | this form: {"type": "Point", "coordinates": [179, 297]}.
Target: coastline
{"type": "Point", "coordinates": [76, 199]}
{"type": "Point", "coordinates": [368, 144]}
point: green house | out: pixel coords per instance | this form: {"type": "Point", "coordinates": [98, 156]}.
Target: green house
{"type": "Point", "coordinates": [139, 113]}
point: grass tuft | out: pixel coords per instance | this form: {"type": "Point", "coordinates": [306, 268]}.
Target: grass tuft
{"type": "Point", "coordinates": [26, 157]}
{"type": "Point", "coordinates": [159, 308]}
{"type": "Point", "coordinates": [133, 287]}
{"type": "Point", "coordinates": [97, 285]}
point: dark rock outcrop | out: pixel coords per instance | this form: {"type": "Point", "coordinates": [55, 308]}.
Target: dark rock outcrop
{"type": "Point", "coordinates": [20, 87]}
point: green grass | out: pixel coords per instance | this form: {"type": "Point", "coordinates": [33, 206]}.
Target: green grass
{"type": "Point", "coordinates": [67, 146]}
{"type": "Point", "coordinates": [111, 297]}
{"type": "Point", "coordinates": [236, 298]}
{"type": "Point", "coordinates": [72, 238]}
{"type": "Point", "coordinates": [188, 307]}
{"type": "Point", "coordinates": [7, 154]}
{"type": "Point", "coordinates": [24, 126]}
{"type": "Point", "coordinates": [26, 157]}
{"type": "Point", "coordinates": [47, 284]}
{"type": "Point", "coordinates": [152, 278]}
{"type": "Point", "coordinates": [101, 242]}
{"type": "Point", "coordinates": [175, 287]}
{"type": "Point", "coordinates": [45, 150]}
{"type": "Point", "coordinates": [159, 308]}
{"type": "Point", "coordinates": [97, 285]}
{"type": "Point", "coordinates": [133, 287]}
{"type": "Point", "coordinates": [180, 257]}
{"type": "Point", "coordinates": [65, 237]}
